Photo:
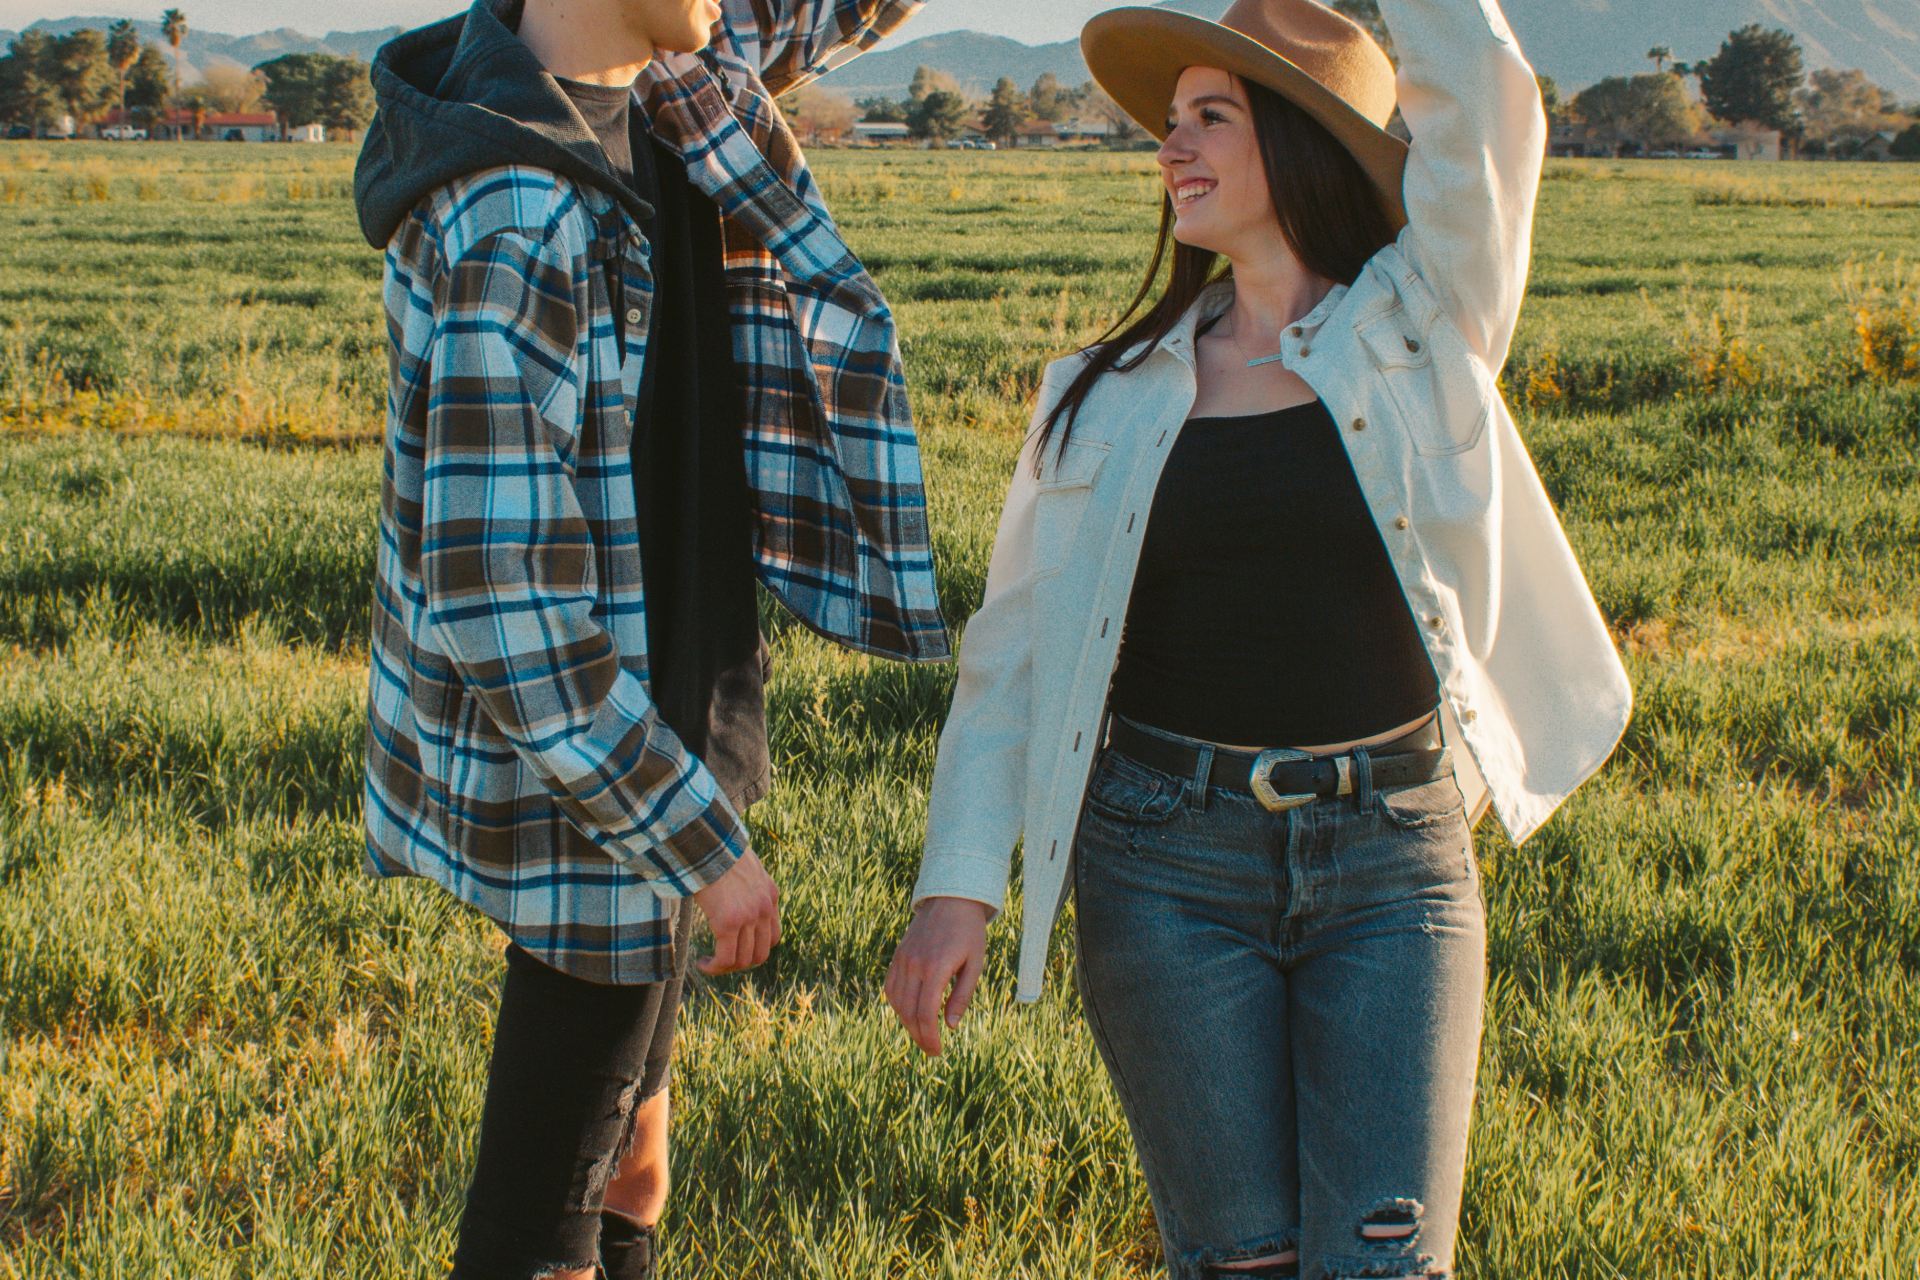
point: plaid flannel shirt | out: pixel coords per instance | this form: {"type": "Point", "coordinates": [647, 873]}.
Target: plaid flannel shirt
{"type": "Point", "coordinates": [513, 752]}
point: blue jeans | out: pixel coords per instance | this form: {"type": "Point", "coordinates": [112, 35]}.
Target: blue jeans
{"type": "Point", "coordinates": [1288, 1005]}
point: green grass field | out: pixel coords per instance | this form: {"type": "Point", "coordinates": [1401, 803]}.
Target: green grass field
{"type": "Point", "coordinates": [228, 1054]}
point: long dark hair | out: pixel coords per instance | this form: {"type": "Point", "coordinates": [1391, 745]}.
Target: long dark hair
{"type": "Point", "coordinates": [1330, 213]}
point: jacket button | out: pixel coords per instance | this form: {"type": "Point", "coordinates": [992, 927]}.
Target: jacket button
{"type": "Point", "coordinates": [1359, 424]}
{"type": "Point", "coordinates": [1400, 522]}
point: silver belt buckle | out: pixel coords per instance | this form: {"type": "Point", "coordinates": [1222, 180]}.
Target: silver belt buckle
{"type": "Point", "coordinates": [1272, 801]}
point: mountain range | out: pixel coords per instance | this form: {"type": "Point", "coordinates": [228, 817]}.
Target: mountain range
{"type": "Point", "coordinates": [1575, 41]}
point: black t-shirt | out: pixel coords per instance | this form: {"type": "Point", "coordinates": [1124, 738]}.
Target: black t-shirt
{"type": "Point", "coordinates": [1265, 611]}
{"type": "Point", "coordinates": [706, 656]}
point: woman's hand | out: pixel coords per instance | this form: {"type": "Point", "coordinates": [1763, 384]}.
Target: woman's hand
{"type": "Point", "coordinates": [947, 942]}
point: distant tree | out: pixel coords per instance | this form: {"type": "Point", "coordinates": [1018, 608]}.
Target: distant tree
{"type": "Point", "coordinates": [1044, 99]}
{"type": "Point", "coordinates": [197, 106]}
{"type": "Point", "coordinates": [77, 65]}
{"type": "Point", "coordinates": [926, 80]}
{"type": "Point", "coordinates": [815, 112]}
{"type": "Point", "coordinates": [1843, 109]}
{"type": "Point", "coordinates": [123, 50]}
{"type": "Point", "coordinates": [1753, 77]}
{"type": "Point", "coordinates": [148, 87]}
{"type": "Point", "coordinates": [1121, 127]}
{"type": "Point", "coordinates": [295, 87]}
{"type": "Point", "coordinates": [1367, 14]}
{"type": "Point", "coordinates": [1006, 111]}
{"type": "Point", "coordinates": [937, 116]}
{"type": "Point", "coordinates": [318, 88]}
{"type": "Point", "coordinates": [1907, 145]}
{"type": "Point", "coordinates": [173, 25]}
{"type": "Point", "coordinates": [346, 96]}
{"type": "Point", "coordinates": [1550, 96]}
{"type": "Point", "coordinates": [1661, 55]}
{"type": "Point", "coordinates": [882, 111]}
{"type": "Point", "coordinates": [1647, 110]}
{"type": "Point", "coordinates": [28, 94]}
{"type": "Point", "coordinates": [233, 89]}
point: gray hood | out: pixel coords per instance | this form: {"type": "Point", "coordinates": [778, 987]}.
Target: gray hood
{"type": "Point", "coordinates": [463, 95]}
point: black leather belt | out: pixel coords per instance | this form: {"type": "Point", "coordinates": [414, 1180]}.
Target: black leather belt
{"type": "Point", "coordinates": [1279, 778]}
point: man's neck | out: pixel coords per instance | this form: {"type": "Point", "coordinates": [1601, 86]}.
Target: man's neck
{"type": "Point", "coordinates": [589, 41]}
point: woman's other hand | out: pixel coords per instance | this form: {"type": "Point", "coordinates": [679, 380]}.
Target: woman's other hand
{"type": "Point", "coordinates": [946, 943]}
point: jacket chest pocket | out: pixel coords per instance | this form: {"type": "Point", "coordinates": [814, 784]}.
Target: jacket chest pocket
{"type": "Point", "coordinates": [1436, 385]}
{"type": "Point", "coordinates": [1061, 494]}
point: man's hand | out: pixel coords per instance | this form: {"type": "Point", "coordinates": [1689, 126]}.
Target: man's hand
{"type": "Point", "coordinates": [743, 909]}
{"type": "Point", "coordinates": [947, 942]}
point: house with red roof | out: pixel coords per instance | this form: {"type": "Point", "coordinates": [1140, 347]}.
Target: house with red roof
{"type": "Point", "coordinates": [215, 126]}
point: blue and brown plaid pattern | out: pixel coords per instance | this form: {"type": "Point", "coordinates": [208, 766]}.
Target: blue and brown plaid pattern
{"type": "Point", "coordinates": [513, 752]}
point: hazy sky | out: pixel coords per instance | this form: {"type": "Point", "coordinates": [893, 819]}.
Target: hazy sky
{"type": "Point", "coordinates": [1022, 19]}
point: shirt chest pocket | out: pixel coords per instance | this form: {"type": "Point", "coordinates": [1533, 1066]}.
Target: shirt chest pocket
{"type": "Point", "coordinates": [1061, 495]}
{"type": "Point", "coordinates": [1438, 389]}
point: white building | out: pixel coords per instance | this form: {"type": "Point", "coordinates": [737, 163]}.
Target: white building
{"type": "Point", "coordinates": [876, 132]}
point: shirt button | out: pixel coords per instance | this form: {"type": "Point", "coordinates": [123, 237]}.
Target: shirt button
{"type": "Point", "coordinates": [1413, 344]}
{"type": "Point", "coordinates": [1467, 716]}
{"type": "Point", "coordinates": [1305, 350]}
{"type": "Point", "coordinates": [633, 315]}
{"type": "Point", "coordinates": [1400, 522]}
{"type": "Point", "coordinates": [1359, 424]}
{"type": "Point", "coordinates": [1436, 621]}
{"type": "Point", "coordinates": [1298, 331]}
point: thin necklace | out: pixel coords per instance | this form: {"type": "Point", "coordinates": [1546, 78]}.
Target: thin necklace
{"type": "Point", "coordinates": [1254, 363]}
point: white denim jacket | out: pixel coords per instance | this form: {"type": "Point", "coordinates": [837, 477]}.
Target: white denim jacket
{"type": "Point", "coordinates": [1405, 359]}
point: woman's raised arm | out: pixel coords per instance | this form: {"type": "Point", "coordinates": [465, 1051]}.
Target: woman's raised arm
{"type": "Point", "coordinates": [1472, 104]}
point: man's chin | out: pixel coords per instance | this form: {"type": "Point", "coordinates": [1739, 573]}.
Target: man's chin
{"type": "Point", "coordinates": [688, 42]}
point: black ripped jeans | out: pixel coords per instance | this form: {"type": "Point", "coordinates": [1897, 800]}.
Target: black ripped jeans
{"type": "Point", "coordinates": [571, 1061]}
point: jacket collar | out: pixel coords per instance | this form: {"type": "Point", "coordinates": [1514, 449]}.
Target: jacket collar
{"type": "Point", "coordinates": [1218, 296]}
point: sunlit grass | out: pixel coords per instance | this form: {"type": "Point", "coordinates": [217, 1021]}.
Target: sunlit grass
{"type": "Point", "coordinates": [228, 1054]}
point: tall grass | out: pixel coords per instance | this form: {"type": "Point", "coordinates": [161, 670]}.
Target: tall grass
{"type": "Point", "coordinates": [227, 1053]}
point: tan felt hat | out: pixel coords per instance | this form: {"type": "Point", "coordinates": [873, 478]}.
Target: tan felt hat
{"type": "Point", "coordinates": [1321, 61]}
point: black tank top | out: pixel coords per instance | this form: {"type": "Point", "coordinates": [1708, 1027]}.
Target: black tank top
{"type": "Point", "coordinates": [1264, 610]}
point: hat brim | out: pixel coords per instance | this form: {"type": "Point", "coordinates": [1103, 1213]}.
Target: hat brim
{"type": "Point", "coordinates": [1137, 54]}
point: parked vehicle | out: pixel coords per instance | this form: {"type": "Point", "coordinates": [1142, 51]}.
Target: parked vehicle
{"type": "Point", "coordinates": [19, 131]}
{"type": "Point", "coordinates": [123, 133]}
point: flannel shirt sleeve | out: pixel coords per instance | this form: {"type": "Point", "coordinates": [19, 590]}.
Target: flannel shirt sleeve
{"type": "Point", "coordinates": [797, 41]}
{"type": "Point", "coordinates": [508, 570]}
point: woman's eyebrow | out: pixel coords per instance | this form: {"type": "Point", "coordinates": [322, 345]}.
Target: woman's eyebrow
{"type": "Point", "coordinates": [1213, 97]}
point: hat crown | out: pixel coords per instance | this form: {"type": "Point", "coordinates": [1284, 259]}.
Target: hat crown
{"type": "Point", "coordinates": [1329, 46]}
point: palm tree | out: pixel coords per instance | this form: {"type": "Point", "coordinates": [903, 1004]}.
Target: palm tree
{"type": "Point", "coordinates": [123, 50]}
{"type": "Point", "coordinates": [1661, 55]}
{"type": "Point", "coordinates": [173, 25]}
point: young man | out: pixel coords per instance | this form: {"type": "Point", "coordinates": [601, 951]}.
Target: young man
{"type": "Point", "coordinates": [634, 368]}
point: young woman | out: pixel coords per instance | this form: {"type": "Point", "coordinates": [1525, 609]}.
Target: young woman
{"type": "Point", "coordinates": [1277, 606]}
